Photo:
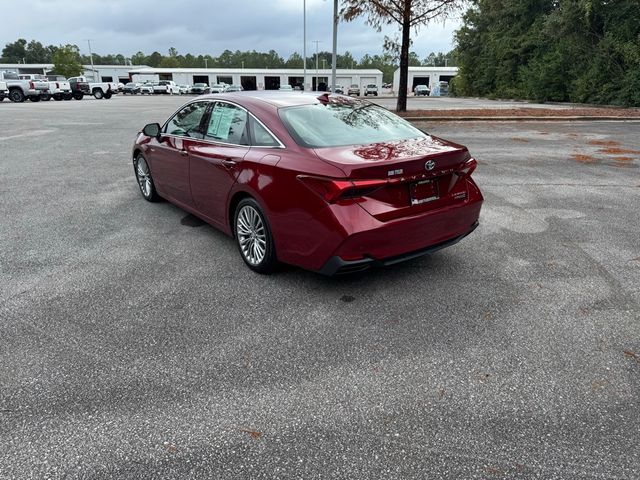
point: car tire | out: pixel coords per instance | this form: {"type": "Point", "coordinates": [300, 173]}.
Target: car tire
{"type": "Point", "coordinates": [34, 98]}
{"type": "Point", "coordinates": [45, 97]}
{"type": "Point", "coordinates": [144, 179]}
{"type": "Point", "coordinates": [16, 95]}
{"type": "Point", "coordinates": [78, 95]}
{"type": "Point", "coordinates": [57, 97]}
{"type": "Point", "coordinates": [253, 237]}
{"type": "Point", "coordinates": [108, 95]}
{"type": "Point", "coordinates": [98, 94]}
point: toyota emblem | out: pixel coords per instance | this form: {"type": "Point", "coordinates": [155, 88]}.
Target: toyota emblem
{"type": "Point", "coordinates": [430, 165]}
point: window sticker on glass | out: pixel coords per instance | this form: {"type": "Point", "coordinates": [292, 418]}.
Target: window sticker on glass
{"type": "Point", "coordinates": [227, 124]}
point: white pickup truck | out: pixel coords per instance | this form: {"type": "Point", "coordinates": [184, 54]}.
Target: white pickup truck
{"type": "Point", "coordinates": [21, 89]}
{"type": "Point", "coordinates": [58, 89]}
{"type": "Point", "coordinates": [80, 87]}
{"type": "Point", "coordinates": [166, 86]}
{"type": "Point", "coordinates": [4, 90]}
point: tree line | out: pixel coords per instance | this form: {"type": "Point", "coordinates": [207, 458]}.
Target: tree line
{"type": "Point", "coordinates": [585, 51]}
{"type": "Point", "coordinates": [23, 51]}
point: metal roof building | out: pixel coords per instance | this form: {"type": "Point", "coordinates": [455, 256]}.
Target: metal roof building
{"type": "Point", "coordinates": [102, 73]}
{"type": "Point", "coordinates": [258, 78]}
{"type": "Point", "coordinates": [249, 78]}
{"type": "Point", "coordinates": [425, 76]}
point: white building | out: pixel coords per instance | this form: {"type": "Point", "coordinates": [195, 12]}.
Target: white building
{"type": "Point", "coordinates": [100, 73]}
{"type": "Point", "coordinates": [428, 76]}
{"type": "Point", "coordinates": [257, 78]}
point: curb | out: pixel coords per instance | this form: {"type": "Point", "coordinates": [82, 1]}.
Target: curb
{"type": "Point", "coordinates": [521, 119]}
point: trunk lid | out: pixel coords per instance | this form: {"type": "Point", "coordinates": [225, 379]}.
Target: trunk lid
{"type": "Point", "coordinates": [417, 174]}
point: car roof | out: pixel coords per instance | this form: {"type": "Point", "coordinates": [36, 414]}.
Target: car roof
{"type": "Point", "coordinates": [276, 98]}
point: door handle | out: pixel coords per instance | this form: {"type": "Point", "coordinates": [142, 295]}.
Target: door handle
{"type": "Point", "coordinates": [228, 163]}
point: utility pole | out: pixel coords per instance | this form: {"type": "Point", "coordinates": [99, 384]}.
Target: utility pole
{"type": "Point", "coordinates": [206, 62]}
{"type": "Point", "coordinates": [93, 72]}
{"type": "Point", "coordinates": [243, 64]}
{"type": "Point", "coordinates": [317, 78]}
{"type": "Point", "coordinates": [304, 43]}
{"type": "Point", "coordinates": [324, 63]}
{"type": "Point", "coordinates": [335, 46]}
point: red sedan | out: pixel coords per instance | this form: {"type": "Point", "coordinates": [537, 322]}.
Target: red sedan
{"type": "Point", "coordinates": [329, 183]}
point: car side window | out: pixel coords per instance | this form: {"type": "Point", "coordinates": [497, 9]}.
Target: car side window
{"type": "Point", "coordinates": [228, 124]}
{"type": "Point", "coordinates": [186, 123]}
{"type": "Point", "coordinates": [260, 136]}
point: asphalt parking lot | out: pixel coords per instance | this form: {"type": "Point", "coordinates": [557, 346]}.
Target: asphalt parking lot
{"type": "Point", "coordinates": [134, 343]}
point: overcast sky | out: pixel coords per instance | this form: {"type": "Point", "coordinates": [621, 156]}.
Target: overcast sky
{"type": "Point", "coordinates": [200, 26]}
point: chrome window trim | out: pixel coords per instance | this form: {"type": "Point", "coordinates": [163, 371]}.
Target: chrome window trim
{"type": "Point", "coordinates": [213, 101]}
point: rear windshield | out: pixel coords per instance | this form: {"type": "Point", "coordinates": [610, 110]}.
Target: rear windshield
{"type": "Point", "coordinates": [336, 124]}
{"type": "Point", "coordinates": [11, 76]}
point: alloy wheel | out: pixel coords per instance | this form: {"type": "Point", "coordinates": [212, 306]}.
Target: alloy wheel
{"type": "Point", "coordinates": [144, 177]}
{"type": "Point", "coordinates": [252, 236]}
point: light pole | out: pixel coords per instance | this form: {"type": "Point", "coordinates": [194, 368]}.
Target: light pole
{"type": "Point", "coordinates": [93, 73]}
{"type": "Point", "coordinates": [317, 42]}
{"type": "Point", "coordinates": [335, 46]}
{"type": "Point", "coordinates": [206, 62]}
{"type": "Point", "coordinates": [304, 43]}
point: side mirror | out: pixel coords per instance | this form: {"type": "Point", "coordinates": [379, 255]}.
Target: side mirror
{"type": "Point", "coordinates": [152, 130]}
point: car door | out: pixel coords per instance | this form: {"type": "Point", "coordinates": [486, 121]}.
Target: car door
{"type": "Point", "coordinates": [170, 153]}
{"type": "Point", "coordinates": [216, 161]}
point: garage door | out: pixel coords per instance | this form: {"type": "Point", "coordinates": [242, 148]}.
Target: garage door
{"type": "Point", "coordinates": [364, 81]}
{"type": "Point", "coordinates": [344, 81]}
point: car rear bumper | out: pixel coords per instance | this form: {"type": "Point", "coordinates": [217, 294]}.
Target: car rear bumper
{"type": "Point", "coordinates": [375, 243]}
{"type": "Point", "coordinates": [337, 266]}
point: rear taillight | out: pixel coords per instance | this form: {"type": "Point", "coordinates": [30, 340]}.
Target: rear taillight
{"type": "Point", "coordinates": [467, 168]}
{"type": "Point", "coordinates": [332, 190]}
{"type": "Point", "coordinates": [31, 86]}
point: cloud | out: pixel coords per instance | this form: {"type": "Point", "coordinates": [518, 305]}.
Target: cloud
{"type": "Point", "coordinates": [201, 26]}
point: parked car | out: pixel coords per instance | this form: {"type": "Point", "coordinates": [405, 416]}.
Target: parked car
{"type": "Point", "coordinates": [146, 88]}
{"type": "Point", "coordinates": [234, 88]}
{"type": "Point", "coordinates": [120, 87]}
{"type": "Point", "coordinates": [387, 85]}
{"type": "Point", "coordinates": [132, 88]}
{"type": "Point", "coordinates": [350, 187]}
{"type": "Point", "coordinates": [4, 91]}
{"type": "Point", "coordinates": [200, 88]}
{"type": "Point", "coordinates": [218, 88]}
{"type": "Point", "coordinates": [182, 89]}
{"type": "Point", "coordinates": [371, 89]}
{"type": "Point", "coordinates": [286, 88]}
{"type": "Point", "coordinates": [167, 87]}
{"type": "Point", "coordinates": [21, 89]}
{"type": "Point", "coordinates": [81, 86]}
{"type": "Point", "coordinates": [444, 88]}
{"type": "Point", "coordinates": [421, 90]}
{"type": "Point", "coordinates": [339, 89]}
{"type": "Point", "coordinates": [354, 90]}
